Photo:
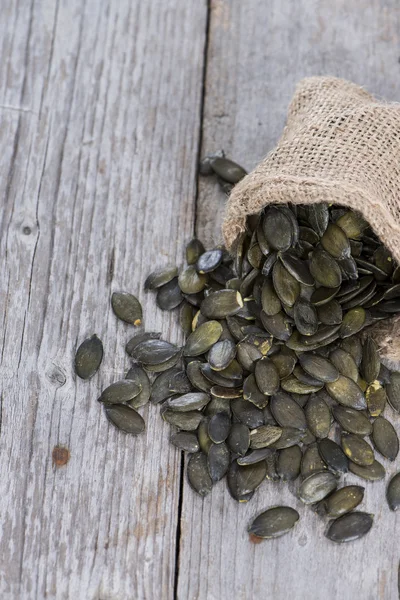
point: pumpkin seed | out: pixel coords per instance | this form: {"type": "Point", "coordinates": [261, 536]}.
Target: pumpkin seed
{"type": "Point", "coordinates": [125, 418]}
{"type": "Point", "coordinates": [346, 392]}
{"type": "Point", "coordinates": [373, 472]}
{"type": "Point", "coordinates": [154, 352]}
{"type": "Point", "coordinates": [297, 268]}
{"type": "Point", "coordinates": [349, 527]}
{"type": "Point", "coordinates": [353, 346]}
{"type": "Point", "coordinates": [158, 278]}
{"type": "Point", "coordinates": [293, 385]}
{"type": "Point", "coordinates": [246, 479]}
{"type": "Point", "coordinates": [127, 308]}
{"type": "Point", "coordinates": [218, 459]}
{"type": "Point", "coordinates": [218, 427]}
{"type": "Point", "coordinates": [317, 486]}
{"type": "Point", "coordinates": [353, 321]}
{"type": "Point", "coordinates": [277, 229]}
{"type": "Point", "coordinates": [267, 377]}
{"type": "Point", "coordinates": [194, 250]}
{"type": "Point", "coordinates": [264, 436]}
{"type": "Point", "coordinates": [393, 391]}
{"type": "Point", "coordinates": [203, 338]}
{"type": "Point", "coordinates": [284, 361]}
{"type": "Point", "coordinates": [88, 357]}
{"type": "Point", "coordinates": [318, 217]}
{"type": "Point", "coordinates": [186, 441]}
{"type": "Point", "coordinates": [254, 456]}
{"type": "Point", "coordinates": [140, 377]}
{"type": "Point", "coordinates": [376, 399]}
{"type": "Point", "coordinates": [286, 286]}
{"type": "Point", "coordinates": [202, 435]}
{"type": "Point", "coordinates": [330, 313]}
{"type": "Point", "coordinates": [187, 421]}
{"type": "Point", "coordinates": [319, 367]}
{"type": "Point", "coordinates": [196, 377]}
{"type": "Point", "coordinates": [344, 363]}
{"type": "Point", "coordinates": [290, 436]}
{"type": "Point", "coordinates": [169, 296]}
{"type": "Point", "coordinates": [323, 295]}
{"type": "Point", "coordinates": [188, 402]}
{"type": "Point", "coordinates": [247, 355]}
{"type": "Point", "coordinates": [312, 461]}
{"type": "Point", "coordinates": [120, 392]}
{"type": "Point", "coordinates": [343, 500]}
{"type": "Point", "coordinates": [352, 224]}
{"type": "Point", "coordinates": [287, 412]}
{"type": "Point", "coordinates": [221, 355]}
{"type": "Point", "coordinates": [270, 302]}
{"type": "Point", "coordinates": [305, 317]}
{"type": "Point", "coordinates": [198, 474]}
{"type": "Point", "coordinates": [393, 492]}
{"type": "Point", "coordinates": [192, 282]}
{"type": "Point", "coordinates": [325, 269]}
{"type": "Point", "coordinates": [385, 438]}
{"type": "Point", "coordinates": [138, 338]}
{"type": "Point", "coordinates": [209, 261]}
{"type": "Point", "coordinates": [288, 463]}
{"type": "Point", "coordinates": [227, 169]}
{"type": "Point", "coordinates": [274, 522]}
{"type": "Point", "coordinates": [357, 450]}
{"type": "Point", "coordinates": [239, 439]}
{"type": "Point", "coordinates": [277, 325]}
{"type": "Point", "coordinates": [218, 405]}
{"type": "Point", "coordinates": [352, 421]}
{"type": "Point", "coordinates": [318, 416]}
{"type": "Point", "coordinates": [370, 363]}
{"type": "Point", "coordinates": [333, 456]}
{"type": "Point", "coordinates": [335, 242]}
{"type": "Point", "coordinates": [247, 413]}
{"type": "Point", "coordinates": [221, 304]}
{"type": "Point", "coordinates": [252, 393]}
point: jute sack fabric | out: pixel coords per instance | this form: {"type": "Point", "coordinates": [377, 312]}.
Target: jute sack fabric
{"type": "Point", "coordinates": [340, 145]}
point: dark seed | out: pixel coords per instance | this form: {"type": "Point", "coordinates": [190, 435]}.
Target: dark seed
{"type": "Point", "coordinates": [290, 436]}
{"type": "Point", "coordinates": [186, 441]}
{"type": "Point", "coordinates": [287, 412]}
{"type": "Point", "coordinates": [349, 527]}
{"type": "Point", "coordinates": [267, 377]}
{"type": "Point", "coordinates": [221, 304]}
{"type": "Point", "coordinates": [252, 393]}
{"type": "Point", "coordinates": [218, 461]}
{"type": "Point", "coordinates": [319, 367]}
{"type": "Point", "coordinates": [88, 357]}
{"type": "Point", "coordinates": [288, 464]}
{"type": "Point", "coordinates": [169, 296]}
{"type": "Point", "coordinates": [346, 392]}
{"type": "Point", "coordinates": [330, 313]}
{"type": "Point", "coordinates": [393, 391]}
{"type": "Point", "coordinates": [247, 413]}
{"type": "Point", "coordinates": [203, 338]}
{"type": "Point", "coordinates": [322, 295]}
{"type": "Point", "coordinates": [318, 416]}
{"type": "Point", "coordinates": [297, 268]}
{"type": "Point", "coordinates": [352, 224]}
{"type": "Point", "coordinates": [209, 261]}
{"type": "Point", "coordinates": [249, 477]}
{"type": "Point", "coordinates": [188, 402]}
{"type": "Point", "coordinates": [305, 317]}
{"type": "Point", "coordinates": [277, 229]}
{"type": "Point", "coordinates": [218, 427]}
{"type": "Point", "coordinates": [270, 302]}
{"type": "Point", "coordinates": [264, 436]}
{"type": "Point", "coordinates": [352, 421]}
{"type": "Point", "coordinates": [357, 450]}
{"type": "Point", "coordinates": [120, 392]}
{"type": "Point", "coordinates": [318, 217]}
{"type": "Point", "coordinates": [194, 250]}
{"type": "Point", "coordinates": [140, 377]}
{"type": "Point", "coordinates": [139, 338]}
{"type": "Point", "coordinates": [160, 277]}
{"type": "Point", "coordinates": [227, 169]}
{"type": "Point", "coordinates": [370, 363]}
{"type": "Point", "coordinates": [239, 439]}
{"type": "Point", "coordinates": [385, 438]}
{"type": "Point", "coordinates": [335, 242]}
{"type": "Point", "coordinates": [277, 325]}
{"type": "Point", "coordinates": [286, 286]}
{"type": "Point", "coordinates": [198, 475]}
{"type": "Point", "coordinates": [317, 486]}
{"type": "Point", "coordinates": [221, 355]}
{"type": "Point", "coordinates": [274, 522]}
{"type": "Point", "coordinates": [154, 352]}
{"type": "Point", "coordinates": [125, 418]}
{"type": "Point", "coordinates": [254, 456]}
{"type": "Point", "coordinates": [376, 399]}
{"type": "Point", "coordinates": [343, 500]}
{"type": "Point", "coordinates": [187, 421]}
{"type": "Point", "coordinates": [127, 308]}
{"type": "Point", "coordinates": [192, 282]}
{"type": "Point", "coordinates": [393, 492]}
{"type": "Point", "coordinates": [334, 457]}
{"type": "Point", "coordinates": [373, 472]}
{"type": "Point", "coordinates": [344, 363]}
{"type": "Point", "coordinates": [312, 461]}
{"type": "Point", "coordinates": [325, 269]}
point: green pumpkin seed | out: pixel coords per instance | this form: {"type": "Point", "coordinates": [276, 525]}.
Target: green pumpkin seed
{"type": "Point", "coordinates": [169, 296]}
{"type": "Point", "coordinates": [330, 313]}
{"type": "Point", "coordinates": [352, 224]}
{"type": "Point", "coordinates": [290, 436]}
{"type": "Point", "coordinates": [209, 261]}
{"type": "Point", "coordinates": [374, 472]}
{"type": "Point", "coordinates": [308, 235]}
{"type": "Point", "coordinates": [344, 363]}
{"type": "Point", "coordinates": [196, 377]}
{"type": "Point", "coordinates": [287, 412]}
{"type": "Point", "coordinates": [125, 418]}
{"type": "Point", "coordinates": [343, 500]}
{"type": "Point", "coordinates": [158, 278]}
{"type": "Point", "coordinates": [352, 421]}
{"type": "Point", "coordinates": [317, 486]}
{"type": "Point", "coordinates": [266, 376]}
{"type": "Point", "coordinates": [218, 459]}
{"type": "Point", "coordinates": [325, 269]}
{"type": "Point", "coordinates": [186, 441]}
{"type": "Point", "coordinates": [161, 389]}
{"type": "Point", "coordinates": [393, 391]}
{"type": "Point", "coordinates": [305, 317]}
{"type": "Point", "coordinates": [203, 338]}
{"type": "Point", "coordinates": [353, 346]}
{"type": "Point", "coordinates": [120, 391]}
{"type": "Point", "coordinates": [393, 492]}
{"type": "Point", "coordinates": [243, 480]}
{"type": "Point", "coordinates": [349, 527]}
{"type": "Point", "coordinates": [385, 438]}
{"type": "Point", "coordinates": [362, 298]}
{"type": "Point", "coordinates": [297, 268]}
{"type": "Point", "coordinates": [218, 405]}
{"type": "Point", "coordinates": [140, 377]}
{"type": "Point", "coordinates": [187, 421]}
{"type": "Point", "coordinates": [318, 217]}
{"type": "Point", "coordinates": [274, 522]}
{"type": "Point", "coordinates": [247, 284]}
{"type": "Point", "coordinates": [247, 413]}
{"type": "Point", "coordinates": [198, 475]}
{"type": "Point", "coordinates": [188, 402]}
{"type": "Point", "coordinates": [370, 363]}
{"type": "Point", "coordinates": [277, 229]}
{"type": "Point", "coordinates": [376, 399]}
{"type": "Point", "coordinates": [194, 250]}
{"type": "Point", "coordinates": [221, 355]}
{"type": "Point", "coordinates": [219, 427]}
{"type": "Point", "coordinates": [168, 364]}
{"type": "Point", "coordinates": [154, 352]}
{"type": "Point", "coordinates": [270, 302]}
{"type": "Point", "coordinates": [333, 456]}
{"type": "Point", "coordinates": [247, 355]}
{"type": "Point", "coordinates": [284, 361]}
{"type": "Point", "coordinates": [264, 436]}
{"type": "Point", "coordinates": [252, 393]}
{"type": "Point", "coordinates": [392, 292]}
{"type": "Point", "coordinates": [192, 282]}
{"type": "Point", "coordinates": [239, 439]}
{"type": "Point", "coordinates": [335, 242]}
{"type": "Point", "coordinates": [323, 295]}
{"type": "Point", "coordinates": [138, 338]}
{"type": "Point", "coordinates": [319, 367]}
{"type": "Point", "coordinates": [288, 463]}
{"type": "Point", "coordinates": [218, 391]}
{"type": "Point", "coordinates": [269, 263]}
{"type": "Point", "coordinates": [304, 377]}
{"type": "Point", "coordinates": [221, 304]}
{"type": "Point", "coordinates": [368, 267]}
{"type": "Point", "coordinates": [205, 163]}
{"type": "Point", "coordinates": [324, 333]}
{"type": "Point", "coordinates": [202, 435]}
{"type": "Point", "coordinates": [227, 169]}
{"type": "Point", "coordinates": [357, 450]}
{"type": "Point", "coordinates": [255, 456]}
{"type": "Point", "coordinates": [277, 325]}
{"type": "Point", "coordinates": [286, 286]}
{"type": "Point", "coordinates": [127, 308]}
{"type": "Point", "coordinates": [347, 393]}
{"type": "Point", "coordinates": [318, 416]}
{"type": "Point", "coordinates": [88, 357]}
{"type": "Point", "coordinates": [312, 461]}
{"type": "Point", "coordinates": [292, 385]}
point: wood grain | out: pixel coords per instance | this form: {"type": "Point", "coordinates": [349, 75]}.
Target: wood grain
{"type": "Point", "coordinates": [99, 114]}
{"type": "Point", "coordinates": [257, 52]}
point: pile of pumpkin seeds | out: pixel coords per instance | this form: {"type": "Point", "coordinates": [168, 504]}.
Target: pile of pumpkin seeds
{"type": "Point", "coordinates": [278, 378]}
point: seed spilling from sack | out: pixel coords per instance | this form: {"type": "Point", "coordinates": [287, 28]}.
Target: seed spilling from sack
{"type": "Point", "coordinates": [275, 364]}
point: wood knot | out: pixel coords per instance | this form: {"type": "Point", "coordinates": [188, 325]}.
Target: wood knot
{"type": "Point", "coordinates": [61, 456]}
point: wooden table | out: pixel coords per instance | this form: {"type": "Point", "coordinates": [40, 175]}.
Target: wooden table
{"type": "Point", "coordinates": [105, 108]}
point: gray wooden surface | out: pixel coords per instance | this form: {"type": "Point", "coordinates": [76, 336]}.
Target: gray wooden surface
{"type": "Point", "coordinates": [103, 106]}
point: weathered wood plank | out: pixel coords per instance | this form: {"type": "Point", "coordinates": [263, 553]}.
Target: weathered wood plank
{"type": "Point", "coordinates": [99, 114]}
{"type": "Point", "coordinates": [257, 53]}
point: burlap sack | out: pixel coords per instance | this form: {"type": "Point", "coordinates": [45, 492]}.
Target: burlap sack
{"type": "Point", "coordinates": [342, 146]}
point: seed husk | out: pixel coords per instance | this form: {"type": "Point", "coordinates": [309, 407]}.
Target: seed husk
{"type": "Point", "coordinates": [287, 412]}
{"type": "Point", "coordinates": [194, 249]}
{"type": "Point", "coordinates": [227, 169]}
{"type": "Point", "coordinates": [393, 391]}
{"type": "Point", "coordinates": [385, 438]}
{"type": "Point", "coordinates": [319, 367]}
{"type": "Point", "coordinates": [88, 357]}
{"type": "Point", "coordinates": [158, 278]}
{"type": "Point", "coordinates": [203, 338]}
{"type": "Point", "coordinates": [317, 486]}
{"type": "Point", "coordinates": [239, 439]}
{"type": "Point", "coordinates": [267, 377]}
{"type": "Point", "coordinates": [221, 354]}
{"type": "Point", "coordinates": [318, 416]}
{"type": "Point", "coordinates": [218, 459]}
{"type": "Point", "coordinates": [140, 377]}
{"type": "Point", "coordinates": [188, 402]}
{"type": "Point", "coordinates": [127, 308]}
{"type": "Point", "coordinates": [393, 492]}
{"type": "Point", "coordinates": [120, 392]}
{"type": "Point", "coordinates": [373, 472]}
{"type": "Point", "coordinates": [264, 436]}
{"type": "Point", "coordinates": [352, 421]}
{"type": "Point", "coordinates": [198, 474]}
{"type": "Point", "coordinates": [221, 304]}
{"type": "Point", "coordinates": [330, 313]}
{"type": "Point", "coordinates": [252, 393]}
{"type": "Point", "coordinates": [312, 461]}
{"type": "Point", "coordinates": [353, 321]}
{"type": "Point", "coordinates": [274, 522]}
{"type": "Point", "coordinates": [344, 363]}
{"type": "Point", "coordinates": [343, 500]}
{"type": "Point", "coordinates": [187, 421]}
{"type": "Point", "coordinates": [288, 463]}
{"type": "Point", "coordinates": [125, 418]}
{"type": "Point", "coordinates": [138, 338]}
{"type": "Point", "coordinates": [325, 269]}
{"type": "Point", "coordinates": [335, 242]}
{"type": "Point", "coordinates": [305, 317]}
{"type": "Point", "coordinates": [186, 441]}
{"type": "Point", "coordinates": [370, 363]}
{"type": "Point", "coordinates": [347, 393]}
{"type": "Point", "coordinates": [192, 282]}
{"type": "Point", "coordinates": [169, 296]}
{"type": "Point", "coordinates": [333, 456]}
{"type": "Point", "coordinates": [209, 261]}
{"type": "Point", "coordinates": [376, 398]}
{"type": "Point", "coordinates": [357, 449]}
{"type": "Point", "coordinates": [349, 527]}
